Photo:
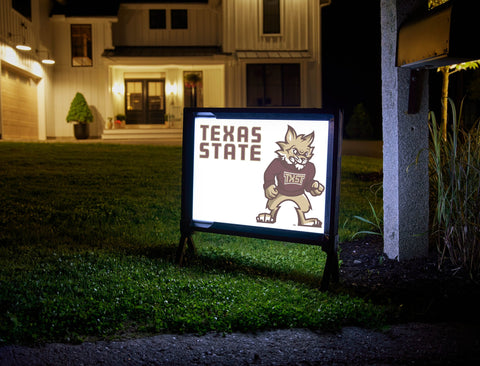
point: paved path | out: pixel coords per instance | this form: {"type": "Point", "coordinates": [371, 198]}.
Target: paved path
{"type": "Point", "coordinates": [405, 344]}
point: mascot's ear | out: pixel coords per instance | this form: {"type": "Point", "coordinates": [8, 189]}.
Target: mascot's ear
{"type": "Point", "coordinates": [291, 135]}
{"type": "Point", "coordinates": [309, 138]}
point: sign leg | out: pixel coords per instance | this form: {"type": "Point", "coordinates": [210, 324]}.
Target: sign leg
{"type": "Point", "coordinates": [331, 271]}
{"type": "Point", "coordinates": [186, 244]}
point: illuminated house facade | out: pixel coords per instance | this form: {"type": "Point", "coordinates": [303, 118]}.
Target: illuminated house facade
{"type": "Point", "coordinates": [147, 60]}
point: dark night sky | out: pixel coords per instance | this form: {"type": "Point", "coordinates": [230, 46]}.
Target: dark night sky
{"type": "Point", "coordinates": [351, 57]}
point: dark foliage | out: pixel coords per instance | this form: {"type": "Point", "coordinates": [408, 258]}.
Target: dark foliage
{"type": "Point", "coordinates": [415, 289]}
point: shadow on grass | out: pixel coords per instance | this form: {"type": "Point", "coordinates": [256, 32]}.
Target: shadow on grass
{"type": "Point", "coordinates": [213, 262]}
{"type": "Point", "coordinates": [254, 269]}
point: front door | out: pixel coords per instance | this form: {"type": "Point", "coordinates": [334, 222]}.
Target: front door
{"type": "Point", "coordinates": [145, 101]}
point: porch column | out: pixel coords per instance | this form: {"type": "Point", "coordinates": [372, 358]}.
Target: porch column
{"type": "Point", "coordinates": [405, 183]}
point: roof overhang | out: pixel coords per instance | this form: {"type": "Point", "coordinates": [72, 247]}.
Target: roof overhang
{"type": "Point", "coordinates": [280, 55]}
{"type": "Point", "coordinates": [149, 55]}
{"type": "Point", "coordinates": [163, 51]}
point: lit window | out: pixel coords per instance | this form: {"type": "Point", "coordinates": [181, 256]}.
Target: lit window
{"type": "Point", "coordinates": [81, 45]}
{"type": "Point", "coordinates": [158, 19]}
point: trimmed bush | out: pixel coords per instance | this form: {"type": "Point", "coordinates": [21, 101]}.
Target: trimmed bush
{"type": "Point", "coordinates": [79, 110]}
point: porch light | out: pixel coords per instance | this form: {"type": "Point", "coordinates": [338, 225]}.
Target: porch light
{"type": "Point", "coordinates": [118, 88]}
{"type": "Point", "coordinates": [172, 88]}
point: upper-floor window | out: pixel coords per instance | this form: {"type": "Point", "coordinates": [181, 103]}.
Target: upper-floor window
{"type": "Point", "coordinates": [158, 19]}
{"type": "Point", "coordinates": [271, 17]}
{"type": "Point", "coordinates": [81, 38]}
{"type": "Point", "coordinates": [24, 7]}
{"type": "Point", "coordinates": [179, 18]}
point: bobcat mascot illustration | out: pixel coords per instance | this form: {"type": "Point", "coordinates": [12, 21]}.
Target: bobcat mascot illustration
{"type": "Point", "coordinates": [289, 176]}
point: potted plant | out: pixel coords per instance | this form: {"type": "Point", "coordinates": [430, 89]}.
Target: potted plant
{"type": "Point", "coordinates": [192, 81]}
{"type": "Point", "coordinates": [81, 114]}
{"type": "Point", "coordinates": [120, 120]}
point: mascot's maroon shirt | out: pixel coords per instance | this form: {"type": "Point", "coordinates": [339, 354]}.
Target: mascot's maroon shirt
{"type": "Point", "coordinates": [289, 180]}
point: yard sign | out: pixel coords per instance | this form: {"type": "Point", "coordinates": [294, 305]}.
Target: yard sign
{"type": "Point", "coordinates": [265, 173]}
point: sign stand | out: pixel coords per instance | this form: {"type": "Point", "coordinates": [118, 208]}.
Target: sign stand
{"type": "Point", "coordinates": [186, 245]}
{"type": "Point", "coordinates": [331, 271]}
{"type": "Point", "coordinates": [216, 140]}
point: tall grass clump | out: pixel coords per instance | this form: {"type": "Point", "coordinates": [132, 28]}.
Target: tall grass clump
{"type": "Point", "coordinates": [455, 182]}
{"type": "Point", "coordinates": [361, 197]}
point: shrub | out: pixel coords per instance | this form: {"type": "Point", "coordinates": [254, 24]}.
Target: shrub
{"type": "Point", "coordinates": [79, 110]}
{"type": "Point", "coordinates": [359, 126]}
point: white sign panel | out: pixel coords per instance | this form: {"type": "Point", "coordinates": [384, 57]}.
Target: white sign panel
{"type": "Point", "coordinates": [266, 173]}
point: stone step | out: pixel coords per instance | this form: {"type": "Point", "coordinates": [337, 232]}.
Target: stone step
{"type": "Point", "coordinates": [143, 133]}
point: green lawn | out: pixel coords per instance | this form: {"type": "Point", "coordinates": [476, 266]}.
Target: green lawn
{"type": "Point", "coordinates": [88, 234]}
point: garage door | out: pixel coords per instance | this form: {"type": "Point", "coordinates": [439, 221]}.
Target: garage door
{"type": "Point", "coordinates": [19, 105]}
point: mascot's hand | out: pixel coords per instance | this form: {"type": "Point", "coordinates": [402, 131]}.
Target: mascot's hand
{"type": "Point", "coordinates": [271, 192]}
{"type": "Point", "coordinates": [317, 188]}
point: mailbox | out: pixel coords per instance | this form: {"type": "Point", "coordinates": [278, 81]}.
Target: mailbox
{"type": "Point", "coordinates": [447, 35]}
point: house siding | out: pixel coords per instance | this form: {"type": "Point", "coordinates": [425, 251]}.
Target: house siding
{"type": "Point", "coordinates": [214, 87]}
{"type": "Point", "coordinates": [133, 27]}
{"type": "Point", "coordinates": [298, 42]}
{"type": "Point", "coordinates": [37, 33]}
{"type": "Point", "coordinates": [91, 81]}
{"type": "Point", "coordinates": [244, 32]}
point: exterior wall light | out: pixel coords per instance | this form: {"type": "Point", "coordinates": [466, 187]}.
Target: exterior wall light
{"type": "Point", "coordinates": [118, 88]}
{"type": "Point", "coordinates": [23, 46]}
{"type": "Point", "coordinates": [172, 88]}
{"type": "Point", "coordinates": [47, 60]}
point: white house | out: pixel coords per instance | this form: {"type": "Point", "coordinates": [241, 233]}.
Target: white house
{"type": "Point", "coordinates": [147, 60]}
